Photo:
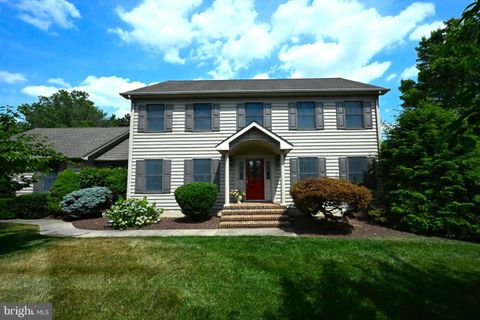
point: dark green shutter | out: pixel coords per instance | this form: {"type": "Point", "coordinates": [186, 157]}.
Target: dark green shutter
{"type": "Point", "coordinates": [319, 115]}
{"type": "Point", "coordinates": [215, 117]}
{"type": "Point", "coordinates": [367, 115]}
{"type": "Point", "coordinates": [166, 176]}
{"type": "Point", "coordinates": [292, 116]}
{"type": "Point", "coordinates": [189, 117]}
{"type": "Point", "coordinates": [342, 168]}
{"type": "Point", "coordinates": [142, 118]}
{"type": "Point", "coordinates": [188, 172]}
{"type": "Point", "coordinates": [293, 171]}
{"type": "Point", "coordinates": [267, 115]}
{"type": "Point", "coordinates": [215, 172]}
{"type": "Point", "coordinates": [340, 115]}
{"type": "Point", "coordinates": [322, 167]}
{"type": "Point", "coordinates": [240, 116]}
{"type": "Point", "coordinates": [168, 117]}
{"type": "Point", "coordinates": [140, 176]}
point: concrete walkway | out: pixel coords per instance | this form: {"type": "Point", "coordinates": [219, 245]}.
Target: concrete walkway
{"type": "Point", "coordinates": [59, 228]}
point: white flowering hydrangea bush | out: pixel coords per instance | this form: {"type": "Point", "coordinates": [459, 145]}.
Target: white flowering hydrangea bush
{"type": "Point", "coordinates": [132, 213]}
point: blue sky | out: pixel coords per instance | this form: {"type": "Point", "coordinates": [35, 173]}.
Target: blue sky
{"type": "Point", "coordinates": [115, 46]}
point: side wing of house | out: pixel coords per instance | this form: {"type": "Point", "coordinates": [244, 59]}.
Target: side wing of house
{"type": "Point", "coordinates": [330, 136]}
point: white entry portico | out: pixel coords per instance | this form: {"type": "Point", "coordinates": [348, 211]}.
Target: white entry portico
{"type": "Point", "coordinates": [255, 152]}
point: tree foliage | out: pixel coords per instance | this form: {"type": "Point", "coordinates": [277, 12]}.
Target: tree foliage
{"type": "Point", "coordinates": [430, 159]}
{"type": "Point", "coordinates": [67, 109]}
{"type": "Point", "coordinates": [20, 154]}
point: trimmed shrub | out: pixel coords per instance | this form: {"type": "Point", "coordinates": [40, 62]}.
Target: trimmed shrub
{"type": "Point", "coordinates": [6, 208]}
{"type": "Point", "coordinates": [116, 179]}
{"type": "Point", "coordinates": [92, 177]}
{"type": "Point", "coordinates": [113, 178]}
{"type": "Point", "coordinates": [31, 206]}
{"type": "Point", "coordinates": [88, 202]}
{"type": "Point", "coordinates": [132, 213]}
{"type": "Point", "coordinates": [196, 199]}
{"type": "Point", "coordinates": [66, 182]}
{"type": "Point", "coordinates": [329, 197]}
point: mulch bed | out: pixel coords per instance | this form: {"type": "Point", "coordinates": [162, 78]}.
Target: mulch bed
{"type": "Point", "coordinates": [163, 224]}
{"type": "Point", "coordinates": [355, 228]}
{"type": "Point", "coordinates": [301, 225]}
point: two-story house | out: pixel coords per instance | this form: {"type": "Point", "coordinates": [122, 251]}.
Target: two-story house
{"type": "Point", "coordinates": [259, 136]}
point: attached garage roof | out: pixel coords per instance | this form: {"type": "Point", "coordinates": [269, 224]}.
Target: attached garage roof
{"type": "Point", "coordinates": [82, 143]}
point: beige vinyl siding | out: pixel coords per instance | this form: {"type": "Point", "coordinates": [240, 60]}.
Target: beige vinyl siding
{"type": "Point", "coordinates": [179, 145]}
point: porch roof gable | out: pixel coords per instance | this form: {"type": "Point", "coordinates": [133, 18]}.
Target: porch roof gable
{"type": "Point", "coordinates": [225, 144]}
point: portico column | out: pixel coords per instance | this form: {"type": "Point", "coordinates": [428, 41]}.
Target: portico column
{"type": "Point", "coordinates": [227, 178]}
{"type": "Point", "coordinates": [282, 179]}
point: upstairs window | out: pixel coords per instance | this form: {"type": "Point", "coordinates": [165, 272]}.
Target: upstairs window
{"type": "Point", "coordinates": [153, 175]}
{"type": "Point", "coordinates": [253, 113]}
{"type": "Point", "coordinates": [202, 117]}
{"type": "Point", "coordinates": [354, 115]}
{"type": "Point", "coordinates": [155, 117]}
{"type": "Point", "coordinates": [202, 170]}
{"type": "Point", "coordinates": [306, 115]}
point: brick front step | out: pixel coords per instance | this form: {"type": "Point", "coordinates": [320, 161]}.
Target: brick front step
{"type": "Point", "coordinates": [255, 217]}
{"type": "Point", "coordinates": [254, 224]}
{"type": "Point", "coordinates": [254, 205]}
{"type": "Point", "coordinates": [253, 211]}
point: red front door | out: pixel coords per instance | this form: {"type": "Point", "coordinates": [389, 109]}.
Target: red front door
{"type": "Point", "coordinates": [254, 180]}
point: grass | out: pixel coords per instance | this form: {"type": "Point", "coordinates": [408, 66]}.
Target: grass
{"type": "Point", "coordinates": [240, 277]}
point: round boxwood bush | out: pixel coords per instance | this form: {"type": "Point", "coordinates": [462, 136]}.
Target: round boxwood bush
{"type": "Point", "coordinates": [196, 199]}
{"type": "Point", "coordinates": [86, 203]}
{"type": "Point", "coordinates": [132, 213]}
{"type": "Point", "coordinates": [329, 197]}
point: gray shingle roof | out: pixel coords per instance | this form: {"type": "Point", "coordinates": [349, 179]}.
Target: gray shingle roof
{"type": "Point", "coordinates": [76, 143]}
{"type": "Point", "coordinates": [255, 85]}
{"type": "Point", "coordinates": [117, 153]}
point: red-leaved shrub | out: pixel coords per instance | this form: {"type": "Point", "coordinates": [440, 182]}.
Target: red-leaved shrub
{"type": "Point", "coordinates": [329, 196]}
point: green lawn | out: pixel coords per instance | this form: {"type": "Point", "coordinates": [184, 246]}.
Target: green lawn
{"type": "Point", "coordinates": [240, 277]}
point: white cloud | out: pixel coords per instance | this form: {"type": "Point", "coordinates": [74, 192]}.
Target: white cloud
{"type": "Point", "coordinates": [316, 38]}
{"type": "Point", "coordinates": [159, 25]}
{"type": "Point", "coordinates": [409, 73]}
{"type": "Point", "coordinates": [424, 30]}
{"type": "Point", "coordinates": [104, 91]}
{"type": "Point", "coordinates": [261, 76]}
{"type": "Point", "coordinates": [9, 77]}
{"type": "Point", "coordinates": [59, 81]}
{"type": "Point", "coordinates": [43, 13]}
{"type": "Point", "coordinates": [391, 77]}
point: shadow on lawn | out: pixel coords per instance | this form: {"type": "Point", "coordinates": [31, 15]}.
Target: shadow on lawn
{"type": "Point", "coordinates": [313, 225]}
{"type": "Point", "coordinates": [387, 291]}
{"type": "Point", "coordinates": [15, 238]}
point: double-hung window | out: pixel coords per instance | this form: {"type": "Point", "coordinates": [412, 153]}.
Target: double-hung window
{"type": "Point", "coordinates": [307, 168]}
{"type": "Point", "coordinates": [155, 117]}
{"type": "Point", "coordinates": [202, 170]}
{"type": "Point", "coordinates": [153, 175]}
{"type": "Point", "coordinates": [202, 117]}
{"type": "Point", "coordinates": [354, 114]}
{"type": "Point", "coordinates": [253, 113]}
{"type": "Point", "coordinates": [305, 115]}
{"type": "Point", "coordinates": [357, 169]}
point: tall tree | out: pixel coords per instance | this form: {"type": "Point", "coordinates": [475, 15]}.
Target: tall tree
{"type": "Point", "coordinates": [67, 109]}
{"type": "Point", "coordinates": [20, 154]}
{"type": "Point", "coordinates": [430, 159]}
